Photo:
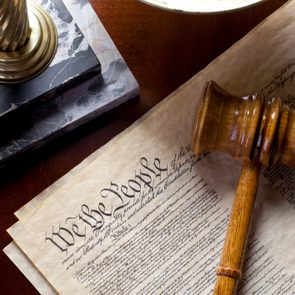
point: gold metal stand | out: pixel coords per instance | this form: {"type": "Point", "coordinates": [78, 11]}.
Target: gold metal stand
{"type": "Point", "coordinates": [28, 40]}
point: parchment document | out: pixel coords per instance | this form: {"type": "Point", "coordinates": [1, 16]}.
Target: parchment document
{"type": "Point", "coordinates": [146, 216]}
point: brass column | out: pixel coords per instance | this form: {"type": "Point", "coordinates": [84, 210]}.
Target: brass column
{"type": "Point", "coordinates": [28, 40]}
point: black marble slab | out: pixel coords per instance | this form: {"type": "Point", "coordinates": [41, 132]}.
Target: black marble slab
{"type": "Point", "coordinates": [73, 63]}
{"type": "Point", "coordinates": [40, 123]}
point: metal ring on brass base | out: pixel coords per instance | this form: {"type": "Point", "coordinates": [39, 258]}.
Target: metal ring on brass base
{"type": "Point", "coordinates": [31, 59]}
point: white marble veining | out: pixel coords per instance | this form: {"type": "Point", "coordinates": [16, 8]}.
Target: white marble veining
{"type": "Point", "coordinates": [67, 31]}
{"type": "Point", "coordinates": [83, 102]}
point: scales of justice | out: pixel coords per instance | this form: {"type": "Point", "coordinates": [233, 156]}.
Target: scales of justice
{"type": "Point", "coordinates": [251, 129]}
{"type": "Point", "coordinates": [28, 41]}
{"type": "Point", "coordinates": [44, 60]}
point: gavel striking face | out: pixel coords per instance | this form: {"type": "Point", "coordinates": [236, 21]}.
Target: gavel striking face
{"type": "Point", "coordinates": [246, 127]}
{"type": "Point", "coordinates": [256, 131]}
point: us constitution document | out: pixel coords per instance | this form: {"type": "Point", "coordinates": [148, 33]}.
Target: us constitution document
{"type": "Point", "coordinates": [146, 216]}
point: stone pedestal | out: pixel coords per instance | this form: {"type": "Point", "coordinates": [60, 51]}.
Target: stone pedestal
{"type": "Point", "coordinates": [27, 125]}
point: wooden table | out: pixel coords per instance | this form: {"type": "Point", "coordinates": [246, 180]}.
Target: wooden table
{"type": "Point", "coordinates": [163, 49]}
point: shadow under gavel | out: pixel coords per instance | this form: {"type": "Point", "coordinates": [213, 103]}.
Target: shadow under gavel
{"type": "Point", "coordinates": [256, 131]}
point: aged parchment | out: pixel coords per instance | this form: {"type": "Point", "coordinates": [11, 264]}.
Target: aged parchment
{"type": "Point", "coordinates": [28, 269]}
{"type": "Point", "coordinates": [147, 217]}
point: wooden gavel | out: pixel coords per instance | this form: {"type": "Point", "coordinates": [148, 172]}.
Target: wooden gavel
{"type": "Point", "coordinates": [256, 131]}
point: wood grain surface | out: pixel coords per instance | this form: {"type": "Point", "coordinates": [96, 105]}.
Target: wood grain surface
{"type": "Point", "coordinates": [163, 49]}
{"type": "Point", "coordinates": [229, 271]}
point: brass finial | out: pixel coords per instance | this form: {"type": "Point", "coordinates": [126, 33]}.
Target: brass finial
{"type": "Point", "coordinates": [28, 40]}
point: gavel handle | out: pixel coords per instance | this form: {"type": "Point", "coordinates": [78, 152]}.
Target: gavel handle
{"type": "Point", "coordinates": [229, 270]}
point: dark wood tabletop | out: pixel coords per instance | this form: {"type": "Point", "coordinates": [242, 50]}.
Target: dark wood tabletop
{"type": "Point", "coordinates": [163, 49]}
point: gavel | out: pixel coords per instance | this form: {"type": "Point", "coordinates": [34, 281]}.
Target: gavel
{"type": "Point", "coordinates": [257, 131]}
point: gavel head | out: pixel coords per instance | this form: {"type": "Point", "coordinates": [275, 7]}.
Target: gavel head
{"type": "Point", "coordinates": [247, 127]}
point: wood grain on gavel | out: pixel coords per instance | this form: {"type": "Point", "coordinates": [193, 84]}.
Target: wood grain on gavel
{"type": "Point", "coordinates": [256, 131]}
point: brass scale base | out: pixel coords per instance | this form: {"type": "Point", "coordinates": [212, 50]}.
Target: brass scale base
{"type": "Point", "coordinates": [33, 58]}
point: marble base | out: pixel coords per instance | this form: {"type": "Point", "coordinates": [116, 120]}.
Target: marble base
{"type": "Point", "coordinates": [40, 123]}
{"type": "Point", "coordinates": [73, 63]}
